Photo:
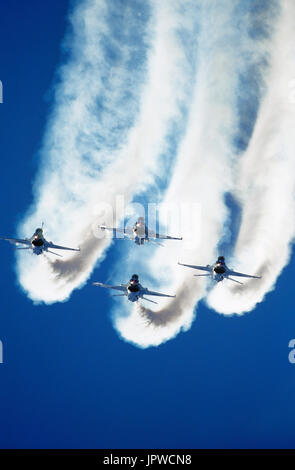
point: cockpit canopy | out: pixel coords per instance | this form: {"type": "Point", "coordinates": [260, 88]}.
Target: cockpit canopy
{"type": "Point", "coordinates": [38, 242]}
{"type": "Point", "coordinates": [221, 259]}
{"type": "Point", "coordinates": [133, 287]}
{"type": "Point", "coordinates": [134, 283]}
{"type": "Point", "coordinates": [219, 269]}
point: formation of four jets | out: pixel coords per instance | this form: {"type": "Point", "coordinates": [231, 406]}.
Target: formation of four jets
{"type": "Point", "coordinates": [139, 234]}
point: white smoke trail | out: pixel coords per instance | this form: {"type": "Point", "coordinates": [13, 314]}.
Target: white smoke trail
{"type": "Point", "coordinates": [110, 128]}
{"type": "Point", "coordinates": [266, 182]}
{"type": "Point", "coordinates": [202, 175]}
{"type": "Point", "coordinates": [81, 165]}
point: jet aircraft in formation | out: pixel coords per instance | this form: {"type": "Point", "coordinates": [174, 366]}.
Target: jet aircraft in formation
{"type": "Point", "coordinates": [219, 271]}
{"type": "Point", "coordinates": [139, 233]}
{"type": "Point", "coordinates": [37, 243]}
{"type": "Point", "coordinates": [133, 290]}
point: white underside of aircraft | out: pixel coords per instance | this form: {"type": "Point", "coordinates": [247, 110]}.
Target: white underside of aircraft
{"type": "Point", "coordinates": [133, 290]}
{"type": "Point", "coordinates": [139, 233]}
{"type": "Point", "coordinates": [37, 243]}
{"type": "Point", "coordinates": [219, 271]}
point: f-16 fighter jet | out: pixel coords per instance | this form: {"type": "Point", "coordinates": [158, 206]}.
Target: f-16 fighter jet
{"type": "Point", "coordinates": [139, 233]}
{"type": "Point", "coordinates": [133, 290]}
{"type": "Point", "coordinates": [37, 243]}
{"type": "Point", "coordinates": [219, 271]}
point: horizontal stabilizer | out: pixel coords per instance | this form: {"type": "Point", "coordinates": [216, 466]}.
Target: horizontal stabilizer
{"type": "Point", "coordinates": [234, 280]}
{"type": "Point", "coordinates": [149, 300]}
{"type": "Point", "coordinates": [198, 275]}
{"type": "Point", "coordinates": [52, 252]}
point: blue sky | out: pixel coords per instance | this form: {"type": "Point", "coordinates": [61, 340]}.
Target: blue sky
{"type": "Point", "coordinates": [68, 380]}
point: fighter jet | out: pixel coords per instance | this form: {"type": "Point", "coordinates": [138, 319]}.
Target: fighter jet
{"type": "Point", "coordinates": [139, 233]}
{"type": "Point", "coordinates": [133, 290]}
{"type": "Point", "coordinates": [219, 271]}
{"type": "Point", "coordinates": [37, 243]}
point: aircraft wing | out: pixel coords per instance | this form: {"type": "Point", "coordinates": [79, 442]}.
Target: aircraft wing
{"type": "Point", "coordinates": [234, 273]}
{"type": "Point", "coordinates": [202, 268]}
{"type": "Point", "coordinates": [58, 247]}
{"type": "Point", "coordinates": [126, 231]}
{"type": "Point", "coordinates": [162, 237]}
{"type": "Point", "coordinates": [107, 286]}
{"type": "Point", "coordinates": [158, 294]}
{"type": "Point", "coordinates": [17, 241]}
